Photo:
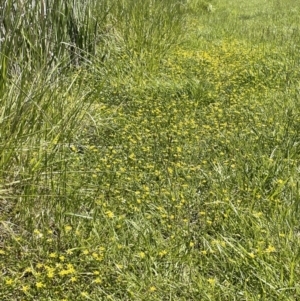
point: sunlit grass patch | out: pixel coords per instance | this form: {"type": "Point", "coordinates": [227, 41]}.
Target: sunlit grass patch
{"type": "Point", "coordinates": [170, 181]}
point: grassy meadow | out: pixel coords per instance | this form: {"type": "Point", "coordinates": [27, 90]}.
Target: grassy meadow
{"type": "Point", "coordinates": [149, 150]}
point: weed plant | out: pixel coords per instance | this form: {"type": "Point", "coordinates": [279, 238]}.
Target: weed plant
{"type": "Point", "coordinates": [164, 166]}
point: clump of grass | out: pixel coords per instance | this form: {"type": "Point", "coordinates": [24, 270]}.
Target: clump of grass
{"type": "Point", "coordinates": [200, 6]}
{"type": "Point", "coordinates": [47, 33]}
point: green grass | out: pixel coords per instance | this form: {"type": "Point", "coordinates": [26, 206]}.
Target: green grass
{"type": "Point", "coordinates": [163, 165]}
